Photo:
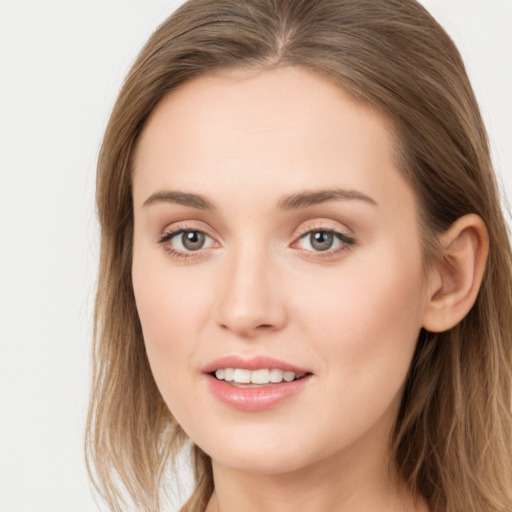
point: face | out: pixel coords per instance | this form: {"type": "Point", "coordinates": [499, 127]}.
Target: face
{"type": "Point", "coordinates": [276, 244]}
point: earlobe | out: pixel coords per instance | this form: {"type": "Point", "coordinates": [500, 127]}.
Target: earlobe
{"type": "Point", "coordinates": [454, 288]}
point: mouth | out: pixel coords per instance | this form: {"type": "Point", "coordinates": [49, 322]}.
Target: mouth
{"type": "Point", "coordinates": [255, 384]}
{"type": "Point", "coordinates": [242, 377]}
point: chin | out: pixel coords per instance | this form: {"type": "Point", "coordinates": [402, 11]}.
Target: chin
{"type": "Point", "coordinates": [261, 453]}
{"type": "Point", "coordinates": [254, 463]}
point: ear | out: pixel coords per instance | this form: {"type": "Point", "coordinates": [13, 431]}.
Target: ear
{"type": "Point", "coordinates": [454, 284]}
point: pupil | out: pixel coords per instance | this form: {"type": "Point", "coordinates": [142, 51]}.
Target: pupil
{"type": "Point", "coordinates": [193, 240]}
{"type": "Point", "coordinates": [321, 241]}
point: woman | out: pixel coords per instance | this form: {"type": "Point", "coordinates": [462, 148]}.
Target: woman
{"type": "Point", "coordinates": [304, 267]}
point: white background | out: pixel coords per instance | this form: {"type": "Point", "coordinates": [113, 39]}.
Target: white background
{"type": "Point", "coordinates": [61, 65]}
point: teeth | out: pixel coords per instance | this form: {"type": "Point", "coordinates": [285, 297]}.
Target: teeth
{"type": "Point", "coordinates": [276, 375]}
{"type": "Point", "coordinates": [242, 376]}
{"type": "Point", "coordinates": [288, 376]}
{"type": "Point", "coordinates": [262, 376]}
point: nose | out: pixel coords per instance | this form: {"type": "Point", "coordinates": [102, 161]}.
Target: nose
{"type": "Point", "coordinates": [249, 298]}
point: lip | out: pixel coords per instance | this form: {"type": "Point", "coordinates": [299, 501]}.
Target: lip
{"type": "Point", "coordinates": [253, 363]}
{"type": "Point", "coordinates": [254, 399]}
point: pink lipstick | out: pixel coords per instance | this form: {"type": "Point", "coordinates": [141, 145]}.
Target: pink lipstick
{"type": "Point", "coordinates": [254, 384]}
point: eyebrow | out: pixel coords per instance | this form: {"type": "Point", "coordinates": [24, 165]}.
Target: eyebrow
{"type": "Point", "coordinates": [292, 202]}
{"type": "Point", "coordinates": [314, 197]}
{"type": "Point", "coordinates": [182, 198]}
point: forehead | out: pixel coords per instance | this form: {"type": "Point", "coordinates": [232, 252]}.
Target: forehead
{"type": "Point", "coordinates": [271, 131]}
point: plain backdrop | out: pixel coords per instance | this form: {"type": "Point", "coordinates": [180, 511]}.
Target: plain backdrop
{"type": "Point", "coordinates": [61, 66]}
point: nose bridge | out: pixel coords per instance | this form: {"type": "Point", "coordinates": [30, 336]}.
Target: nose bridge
{"type": "Point", "coordinates": [248, 291]}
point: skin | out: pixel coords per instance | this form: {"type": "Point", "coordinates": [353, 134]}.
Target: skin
{"type": "Point", "coordinates": [351, 315]}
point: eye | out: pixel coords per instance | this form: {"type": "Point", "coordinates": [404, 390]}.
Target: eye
{"type": "Point", "coordinates": [322, 240]}
{"type": "Point", "coordinates": [186, 240]}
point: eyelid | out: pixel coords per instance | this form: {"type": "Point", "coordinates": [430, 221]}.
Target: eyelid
{"type": "Point", "coordinates": [344, 236]}
{"type": "Point", "coordinates": [322, 225]}
{"type": "Point", "coordinates": [174, 230]}
{"type": "Point", "coordinates": [166, 237]}
{"type": "Point", "coordinates": [176, 227]}
{"type": "Point", "coordinates": [325, 225]}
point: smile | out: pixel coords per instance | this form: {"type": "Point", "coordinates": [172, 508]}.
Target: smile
{"type": "Point", "coordinates": [255, 384]}
{"type": "Point", "coordinates": [263, 376]}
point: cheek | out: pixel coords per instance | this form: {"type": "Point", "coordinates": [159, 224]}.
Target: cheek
{"type": "Point", "coordinates": [170, 299]}
{"type": "Point", "coordinates": [365, 323]}
{"type": "Point", "coordinates": [164, 307]}
{"type": "Point", "coordinates": [171, 309]}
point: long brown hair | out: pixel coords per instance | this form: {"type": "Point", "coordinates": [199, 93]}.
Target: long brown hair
{"type": "Point", "coordinates": [452, 441]}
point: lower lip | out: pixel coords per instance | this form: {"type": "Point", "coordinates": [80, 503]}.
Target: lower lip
{"type": "Point", "coordinates": [255, 399]}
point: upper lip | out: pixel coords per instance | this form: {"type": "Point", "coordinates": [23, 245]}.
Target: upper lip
{"type": "Point", "coordinates": [252, 363]}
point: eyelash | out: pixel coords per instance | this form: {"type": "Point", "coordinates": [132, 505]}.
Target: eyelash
{"type": "Point", "coordinates": [348, 241]}
{"type": "Point", "coordinates": [169, 235]}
